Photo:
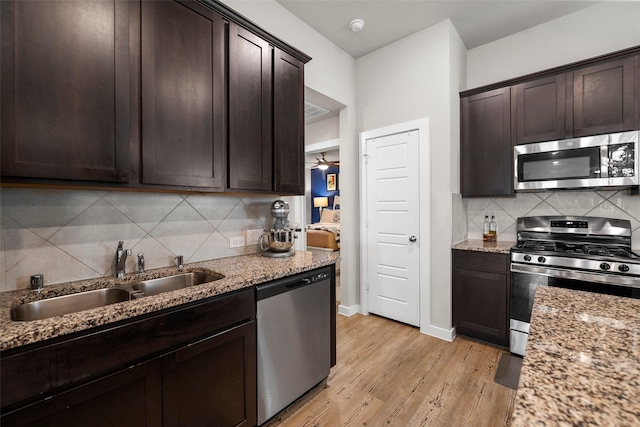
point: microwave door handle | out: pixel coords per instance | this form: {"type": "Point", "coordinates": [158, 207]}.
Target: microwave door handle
{"type": "Point", "coordinates": [604, 161]}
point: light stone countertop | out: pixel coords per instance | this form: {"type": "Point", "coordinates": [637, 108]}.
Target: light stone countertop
{"type": "Point", "coordinates": [582, 362]}
{"type": "Point", "coordinates": [240, 272]}
{"type": "Point", "coordinates": [477, 245]}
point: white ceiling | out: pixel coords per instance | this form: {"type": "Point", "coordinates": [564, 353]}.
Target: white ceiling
{"type": "Point", "coordinates": [386, 21]}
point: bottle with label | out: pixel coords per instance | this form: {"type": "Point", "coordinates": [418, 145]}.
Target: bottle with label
{"type": "Point", "coordinates": [485, 229]}
{"type": "Point", "coordinates": [493, 229]}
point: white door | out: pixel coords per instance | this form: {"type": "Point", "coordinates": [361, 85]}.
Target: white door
{"type": "Point", "coordinates": [393, 225]}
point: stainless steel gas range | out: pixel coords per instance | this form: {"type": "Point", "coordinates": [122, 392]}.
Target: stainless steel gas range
{"type": "Point", "coordinates": [584, 253]}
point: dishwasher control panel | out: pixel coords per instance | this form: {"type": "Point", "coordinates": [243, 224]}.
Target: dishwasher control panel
{"type": "Point", "coordinates": [318, 277]}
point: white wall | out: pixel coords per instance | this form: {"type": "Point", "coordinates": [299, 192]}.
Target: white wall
{"type": "Point", "coordinates": [597, 30]}
{"type": "Point", "coordinates": [419, 76]}
{"type": "Point", "coordinates": [322, 130]}
{"type": "Point", "coordinates": [331, 72]}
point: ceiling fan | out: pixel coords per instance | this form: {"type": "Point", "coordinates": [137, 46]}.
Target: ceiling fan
{"type": "Point", "coordinates": [323, 164]}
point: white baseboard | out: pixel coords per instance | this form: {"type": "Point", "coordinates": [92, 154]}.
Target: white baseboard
{"type": "Point", "coordinates": [443, 334]}
{"type": "Point", "coordinates": [348, 311]}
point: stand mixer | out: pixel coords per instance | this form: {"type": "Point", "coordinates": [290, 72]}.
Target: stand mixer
{"type": "Point", "coordinates": [278, 242]}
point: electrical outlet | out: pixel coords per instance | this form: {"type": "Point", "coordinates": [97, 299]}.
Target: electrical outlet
{"type": "Point", "coordinates": [253, 236]}
{"type": "Point", "coordinates": [236, 242]}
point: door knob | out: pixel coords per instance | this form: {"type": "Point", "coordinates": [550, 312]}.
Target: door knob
{"type": "Point", "coordinates": [412, 239]}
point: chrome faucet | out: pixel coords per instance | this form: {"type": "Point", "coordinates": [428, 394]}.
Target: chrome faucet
{"type": "Point", "coordinates": [121, 259]}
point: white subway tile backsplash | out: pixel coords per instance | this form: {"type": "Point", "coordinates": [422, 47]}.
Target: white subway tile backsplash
{"type": "Point", "coordinates": [72, 235]}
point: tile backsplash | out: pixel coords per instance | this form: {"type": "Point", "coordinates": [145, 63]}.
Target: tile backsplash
{"type": "Point", "coordinates": [72, 235]}
{"type": "Point", "coordinates": [608, 204]}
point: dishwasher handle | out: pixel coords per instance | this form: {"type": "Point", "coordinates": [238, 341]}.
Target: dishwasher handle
{"type": "Point", "coordinates": [303, 282]}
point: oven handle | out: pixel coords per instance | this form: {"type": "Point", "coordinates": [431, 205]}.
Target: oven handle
{"type": "Point", "coordinates": [609, 279]}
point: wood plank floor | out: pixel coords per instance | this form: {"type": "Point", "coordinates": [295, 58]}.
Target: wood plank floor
{"type": "Point", "coordinates": [388, 374]}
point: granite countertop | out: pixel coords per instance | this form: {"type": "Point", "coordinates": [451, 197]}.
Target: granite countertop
{"type": "Point", "coordinates": [582, 363]}
{"type": "Point", "coordinates": [500, 247]}
{"type": "Point", "coordinates": [240, 272]}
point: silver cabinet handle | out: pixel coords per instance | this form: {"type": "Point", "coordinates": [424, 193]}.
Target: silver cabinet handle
{"type": "Point", "coordinates": [412, 239]}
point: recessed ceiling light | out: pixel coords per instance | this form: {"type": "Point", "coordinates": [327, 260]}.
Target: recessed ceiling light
{"type": "Point", "coordinates": [356, 25]}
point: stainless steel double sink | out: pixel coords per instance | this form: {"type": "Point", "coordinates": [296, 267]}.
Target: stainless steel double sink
{"type": "Point", "coordinates": [72, 303]}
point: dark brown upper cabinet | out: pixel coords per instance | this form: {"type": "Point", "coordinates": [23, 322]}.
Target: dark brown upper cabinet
{"type": "Point", "coordinates": [180, 95]}
{"type": "Point", "coordinates": [486, 167]}
{"type": "Point", "coordinates": [250, 111]}
{"type": "Point", "coordinates": [65, 90]}
{"type": "Point", "coordinates": [183, 95]}
{"type": "Point", "coordinates": [288, 123]}
{"type": "Point", "coordinates": [540, 107]}
{"type": "Point", "coordinates": [589, 100]}
{"type": "Point", "coordinates": [604, 97]}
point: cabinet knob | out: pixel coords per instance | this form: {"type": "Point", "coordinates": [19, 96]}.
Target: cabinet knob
{"type": "Point", "coordinates": [412, 239]}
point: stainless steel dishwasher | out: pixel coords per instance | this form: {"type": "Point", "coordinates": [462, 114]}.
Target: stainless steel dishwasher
{"type": "Point", "coordinates": [294, 338]}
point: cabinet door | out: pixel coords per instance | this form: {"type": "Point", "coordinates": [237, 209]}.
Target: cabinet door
{"type": "Point", "coordinates": [127, 398]}
{"type": "Point", "coordinates": [540, 110]}
{"type": "Point", "coordinates": [486, 168]}
{"type": "Point", "coordinates": [603, 98]}
{"type": "Point", "coordinates": [250, 111]}
{"type": "Point", "coordinates": [65, 90]}
{"type": "Point", "coordinates": [183, 95]}
{"type": "Point", "coordinates": [481, 296]}
{"type": "Point", "coordinates": [212, 382]}
{"type": "Point", "coordinates": [289, 124]}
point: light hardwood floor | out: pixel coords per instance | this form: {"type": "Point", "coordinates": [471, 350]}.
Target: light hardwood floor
{"type": "Point", "coordinates": [388, 374]}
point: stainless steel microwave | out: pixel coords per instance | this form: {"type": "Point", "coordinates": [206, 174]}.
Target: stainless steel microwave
{"type": "Point", "coordinates": [589, 162]}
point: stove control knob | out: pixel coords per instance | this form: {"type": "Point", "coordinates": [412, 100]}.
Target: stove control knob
{"type": "Point", "coordinates": [527, 257]}
{"type": "Point", "coordinates": [604, 266]}
{"type": "Point", "coordinates": [623, 267]}
{"type": "Point", "coordinates": [542, 259]}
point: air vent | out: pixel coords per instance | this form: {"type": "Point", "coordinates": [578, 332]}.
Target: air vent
{"type": "Point", "coordinates": [311, 111]}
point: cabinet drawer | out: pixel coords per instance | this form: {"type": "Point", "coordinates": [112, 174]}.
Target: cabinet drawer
{"type": "Point", "coordinates": [481, 261]}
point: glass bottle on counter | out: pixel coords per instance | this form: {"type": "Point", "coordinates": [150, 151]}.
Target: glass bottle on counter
{"type": "Point", "coordinates": [493, 229]}
{"type": "Point", "coordinates": [486, 236]}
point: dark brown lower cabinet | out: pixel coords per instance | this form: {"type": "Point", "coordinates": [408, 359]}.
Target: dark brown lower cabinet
{"type": "Point", "coordinates": [131, 397]}
{"type": "Point", "coordinates": [481, 296]}
{"type": "Point", "coordinates": [191, 365]}
{"type": "Point", "coordinates": [213, 379]}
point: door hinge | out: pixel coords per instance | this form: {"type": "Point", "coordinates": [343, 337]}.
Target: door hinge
{"type": "Point", "coordinates": [366, 158]}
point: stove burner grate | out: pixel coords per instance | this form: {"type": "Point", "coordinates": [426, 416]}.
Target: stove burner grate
{"type": "Point", "coordinates": [611, 251]}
